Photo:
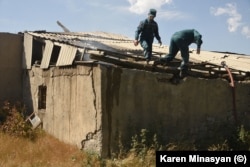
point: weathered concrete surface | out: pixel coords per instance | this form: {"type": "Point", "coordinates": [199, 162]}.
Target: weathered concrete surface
{"type": "Point", "coordinates": [195, 107]}
{"type": "Point", "coordinates": [100, 107]}
{"type": "Point", "coordinates": [11, 49]}
{"type": "Point", "coordinates": [73, 107]}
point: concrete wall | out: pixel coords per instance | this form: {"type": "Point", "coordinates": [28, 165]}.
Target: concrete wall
{"type": "Point", "coordinates": [195, 110]}
{"type": "Point", "coordinates": [100, 107]}
{"type": "Point", "coordinates": [11, 49]}
{"type": "Point", "coordinates": [73, 106]}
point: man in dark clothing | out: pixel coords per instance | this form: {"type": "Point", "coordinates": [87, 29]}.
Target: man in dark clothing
{"type": "Point", "coordinates": [145, 33]}
{"type": "Point", "coordinates": [180, 41]}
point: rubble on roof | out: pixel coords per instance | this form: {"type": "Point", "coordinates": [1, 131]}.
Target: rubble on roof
{"type": "Point", "coordinates": [68, 48]}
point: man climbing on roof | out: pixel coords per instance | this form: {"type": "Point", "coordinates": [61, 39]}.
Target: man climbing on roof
{"type": "Point", "coordinates": [180, 41]}
{"type": "Point", "coordinates": [145, 33]}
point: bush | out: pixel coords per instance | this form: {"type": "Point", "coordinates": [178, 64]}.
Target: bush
{"type": "Point", "coordinates": [12, 121]}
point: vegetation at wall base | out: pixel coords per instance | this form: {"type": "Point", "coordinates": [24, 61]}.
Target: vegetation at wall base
{"type": "Point", "coordinates": [24, 147]}
{"type": "Point", "coordinates": [12, 121]}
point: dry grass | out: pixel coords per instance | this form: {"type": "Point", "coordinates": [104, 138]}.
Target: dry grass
{"type": "Point", "coordinates": [20, 146]}
{"type": "Point", "coordinates": [135, 161]}
{"type": "Point", "coordinates": [45, 151]}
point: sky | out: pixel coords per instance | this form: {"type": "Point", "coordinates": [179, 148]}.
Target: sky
{"type": "Point", "coordinates": [224, 24]}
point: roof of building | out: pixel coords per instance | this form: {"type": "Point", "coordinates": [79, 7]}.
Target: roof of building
{"type": "Point", "coordinates": [120, 50]}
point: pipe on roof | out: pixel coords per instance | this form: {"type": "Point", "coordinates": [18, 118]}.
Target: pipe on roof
{"type": "Point", "coordinates": [62, 26]}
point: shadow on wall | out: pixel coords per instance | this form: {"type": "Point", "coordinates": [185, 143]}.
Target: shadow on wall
{"type": "Point", "coordinates": [11, 49]}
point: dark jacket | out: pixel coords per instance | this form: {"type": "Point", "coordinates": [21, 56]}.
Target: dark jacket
{"type": "Point", "coordinates": [147, 30]}
{"type": "Point", "coordinates": [186, 37]}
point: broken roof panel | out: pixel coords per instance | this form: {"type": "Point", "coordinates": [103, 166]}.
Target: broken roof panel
{"type": "Point", "coordinates": [47, 54]}
{"type": "Point", "coordinates": [28, 44]}
{"type": "Point", "coordinates": [66, 56]}
{"type": "Point", "coordinates": [234, 61]}
{"type": "Point", "coordinates": [122, 47]}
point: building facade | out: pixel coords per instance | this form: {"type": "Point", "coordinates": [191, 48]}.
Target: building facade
{"type": "Point", "coordinates": [93, 91]}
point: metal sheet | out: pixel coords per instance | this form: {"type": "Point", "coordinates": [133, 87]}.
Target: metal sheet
{"type": "Point", "coordinates": [237, 62]}
{"type": "Point", "coordinates": [120, 44]}
{"type": "Point", "coordinates": [27, 54]}
{"type": "Point", "coordinates": [66, 55]}
{"type": "Point", "coordinates": [47, 54]}
{"type": "Point", "coordinates": [95, 45]}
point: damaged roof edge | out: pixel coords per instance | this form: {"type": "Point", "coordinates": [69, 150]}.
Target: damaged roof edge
{"type": "Point", "coordinates": [114, 48]}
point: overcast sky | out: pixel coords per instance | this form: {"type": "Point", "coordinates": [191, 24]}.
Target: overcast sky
{"type": "Point", "coordinates": [224, 24]}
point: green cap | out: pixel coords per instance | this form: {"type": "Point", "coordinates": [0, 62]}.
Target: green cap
{"type": "Point", "coordinates": [152, 12]}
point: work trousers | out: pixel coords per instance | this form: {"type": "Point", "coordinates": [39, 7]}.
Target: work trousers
{"type": "Point", "coordinates": [147, 48]}
{"type": "Point", "coordinates": [178, 44]}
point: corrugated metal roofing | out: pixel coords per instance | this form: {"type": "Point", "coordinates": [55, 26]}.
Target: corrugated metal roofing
{"type": "Point", "coordinates": [234, 61]}
{"type": "Point", "coordinates": [47, 54]}
{"type": "Point", "coordinates": [67, 55]}
{"type": "Point", "coordinates": [28, 42]}
{"type": "Point", "coordinates": [114, 43]}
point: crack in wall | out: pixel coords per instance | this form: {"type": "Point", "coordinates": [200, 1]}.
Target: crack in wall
{"type": "Point", "coordinates": [94, 93]}
{"type": "Point", "coordinates": [72, 72]}
{"type": "Point", "coordinates": [89, 136]}
{"type": "Point", "coordinates": [92, 138]}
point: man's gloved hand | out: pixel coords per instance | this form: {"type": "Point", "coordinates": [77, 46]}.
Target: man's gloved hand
{"type": "Point", "coordinates": [136, 42]}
